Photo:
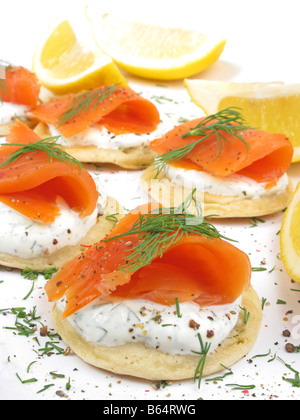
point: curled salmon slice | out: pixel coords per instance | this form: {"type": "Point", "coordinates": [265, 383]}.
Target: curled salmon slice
{"type": "Point", "coordinates": [19, 86]}
{"type": "Point", "coordinates": [267, 158]}
{"type": "Point", "coordinates": [119, 109]}
{"type": "Point", "coordinates": [33, 183]}
{"type": "Point", "coordinates": [194, 268]}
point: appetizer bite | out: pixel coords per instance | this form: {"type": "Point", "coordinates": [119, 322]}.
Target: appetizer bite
{"type": "Point", "coordinates": [163, 296]}
{"type": "Point", "coordinates": [50, 206]}
{"type": "Point", "coordinates": [240, 170]}
{"type": "Point", "coordinates": [110, 124]}
{"type": "Point", "coordinates": [19, 92]}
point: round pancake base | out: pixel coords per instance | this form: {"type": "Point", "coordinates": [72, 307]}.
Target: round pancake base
{"type": "Point", "coordinates": [133, 158]}
{"type": "Point", "coordinates": [169, 194]}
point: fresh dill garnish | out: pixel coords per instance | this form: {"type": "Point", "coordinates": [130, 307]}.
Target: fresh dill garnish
{"type": "Point", "coordinates": [178, 308]}
{"type": "Point", "coordinates": [26, 381]}
{"type": "Point", "coordinates": [50, 347]}
{"type": "Point", "coordinates": [30, 291]}
{"type": "Point", "coordinates": [161, 99]}
{"type": "Point", "coordinates": [57, 375]}
{"type": "Point", "coordinates": [30, 364]}
{"type": "Point", "coordinates": [228, 120]}
{"type": "Point", "coordinates": [47, 145]}
{"type": "Point", "coordinates": [295, 382]}
{"type": "Point", "coordinates": [113, 218]}
{"type": "Point", "coordinates": [255, 220]}
{"type": "Point", "coordinates": [45, 388]}
{"type": "Point", "coordinates": [162, 227]}
{"type": "Point", "coordinates": [281, 302]}
{"type": "Point", "coordinates": [239, 387]}
{"type": "Point", "coordinates": [84, 101]}
{"type": "Point", "coordinates": [24, 324]}
{"type": "Point", "coordinates": [204, 349]}
{"type": "Point", "coordinates": [261, 355]}
{"type": "Point", "coordinates": [220, 378]}
{"type": "Point", "coordinates": [68, 384]}
{"type": "Point", "coordinates": [272, 358]}
{"type": "Point", "coordinates": [30, 274]}
{"type": "Point", "coordinates": [246, 314]}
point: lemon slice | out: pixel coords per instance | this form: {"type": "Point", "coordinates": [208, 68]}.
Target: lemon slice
{"type": "Point", "coordinates": [64, 64]}
{"type": "Point", "coordinates": [290, 237]}
{"type": "Point", "coordinates": [155, 52]}
{"type": "Point", "coordinates": [273, 107]}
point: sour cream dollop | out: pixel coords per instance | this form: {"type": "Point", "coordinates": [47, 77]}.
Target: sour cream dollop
{"type": "Point", "coordinates": [24, 238]}
{"type": "Point", "coordinates": [232, 185]}
{"type": "Point", "coordinates": [157, 326]}
{"type": "Point", "coordinates": [9, 111]}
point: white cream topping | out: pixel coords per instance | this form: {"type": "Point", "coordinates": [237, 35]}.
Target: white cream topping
{"type": "Point", "coordinates": [232, 185]}
{"type": "Point", "coordinates": [157, 326]}
{"type": "Point", "coordinates": [10, 111]}
{"type": "Point", "coordinates": [24, 238]}
{"type": "Point", "coordinates": [104, 139]}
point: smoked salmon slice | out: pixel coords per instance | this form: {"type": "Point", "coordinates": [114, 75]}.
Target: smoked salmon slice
{"type": "Point", "coordinates": [19, 86]}
{"type": "Point", "coordinates": [267, 157]}
{"type": "Point", "coordinates": [117, 108]}
{"type": "Point", "coordinates": [194, 268]}
{"type": "Point", "coordinates": [33, 183]}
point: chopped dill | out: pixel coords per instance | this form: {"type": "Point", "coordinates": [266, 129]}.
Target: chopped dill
{"type": "Point", "coordinates": [30, 274]}
{"type": "Point", "coordinates": [178, 308]}
{"type": "Point", "coordinates": [204, 349]}
{"type": "Point", "coordinates": [246, 315]}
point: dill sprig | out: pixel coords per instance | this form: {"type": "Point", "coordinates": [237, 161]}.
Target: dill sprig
{"type": "Point", "coordinates": [162, 227]}
{"type": "Point", "coordinates": [228, 121]}
{"type": "Point", "coordinates": [246, 314]}
{"type": "Point", "coordinates": [30, 274]}
{"type": "Point", "coordinates": [204, 350]}
{"type": "Point", "coordinates": [24, 323]}
{"type": "Point", "coordinates": [47, 145]}
{"type": "Point", "coordinates": [238, 387]}
{"type": "Point", "coordinates": [84, 101]}
{"type": "Point", "coordinates": [178, 308]}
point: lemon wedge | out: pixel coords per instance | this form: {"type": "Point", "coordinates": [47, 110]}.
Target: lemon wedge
{"type": "Point", "coordinates": [64, 64]}
{"type": "Point", "coordinates": [155, 52]}
{"type": "Point", "coordinates": [272, 107]}
{"type": "Point", "coordinates": [290, 237]}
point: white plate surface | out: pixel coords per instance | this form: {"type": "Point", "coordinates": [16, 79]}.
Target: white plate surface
{"type": "Point", "coordinates": [256, 51]}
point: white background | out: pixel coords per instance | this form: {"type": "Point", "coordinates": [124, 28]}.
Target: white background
{"type": "Point", "coordinates": [262, 45]}
{"type": "Point", "coordinates": [263, 36]}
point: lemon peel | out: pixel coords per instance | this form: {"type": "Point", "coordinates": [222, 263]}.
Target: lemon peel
{"type": "Point", "coordinates": [290, 237]}
{"type": "Point", "coordinates": [155, 52]}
